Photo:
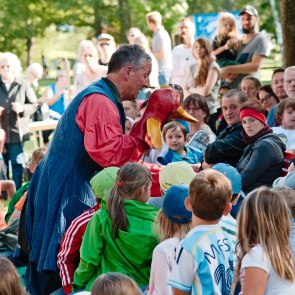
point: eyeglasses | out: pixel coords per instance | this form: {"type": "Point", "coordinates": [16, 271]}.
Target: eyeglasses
{"type": "Point", "coordinates": [220, 95]}
{"type": "Point", "coordinates": [265, 98]}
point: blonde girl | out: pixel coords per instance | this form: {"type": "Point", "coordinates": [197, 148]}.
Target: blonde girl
{"type": "Point", "coordinates": [114, 283]}
{"type": "Point", "coordinates": [120, 236]}
{"type": "Point", "coordinates": [265, 264]}
{"type": "Point", "coordinates": [174, 223]}
{"type": "Point", "coordinates": [203, 78]}
{"type": "Point", "coordinates": [225, 43]}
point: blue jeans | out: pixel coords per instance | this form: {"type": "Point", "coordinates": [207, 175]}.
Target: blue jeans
{"type": "Point", "coordinates": [164, 77]}
{"type": "Point", "coordinates": [14, 153]}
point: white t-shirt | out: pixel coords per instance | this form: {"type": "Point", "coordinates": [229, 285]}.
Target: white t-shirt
{"type": "Point", "coordinates": [163, 257]}
{"type": "Point", "coordinates": [182, 59]}
{"type": "Point", "coordinates": [275, 285]}
{"type": "Point", "coordinates": [290, 134]}
{"type": "Point", "coordinates": [161, 40]}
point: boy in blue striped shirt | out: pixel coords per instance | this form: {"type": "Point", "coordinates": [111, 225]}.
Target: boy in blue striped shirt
{"type": "Point", "coordinates": [205, 260]}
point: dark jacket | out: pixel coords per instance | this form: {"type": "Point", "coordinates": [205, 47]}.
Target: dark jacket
{"type": "Point", "coordinates": [261, 162]}
{"type": "Point", "coordinates": [19, 92]}
{"type": "Point", "coordinates": [227, 148]}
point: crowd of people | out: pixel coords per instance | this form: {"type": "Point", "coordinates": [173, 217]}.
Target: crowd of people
{"type": "Point", "coordinates": [164, 174]}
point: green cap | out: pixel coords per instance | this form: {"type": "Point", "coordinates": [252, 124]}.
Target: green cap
{"type": "Point", "coordinates": [103, 181]}
{"type": "Point", "coordinates": [175, 173]}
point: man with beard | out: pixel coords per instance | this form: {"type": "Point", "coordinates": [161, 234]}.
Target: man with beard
{"type": "Point", "coordinates": [182, 55]}
{"type": "Point", "coordinates": [252, 50]}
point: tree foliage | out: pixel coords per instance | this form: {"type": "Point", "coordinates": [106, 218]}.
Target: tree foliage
{"type": "Point", "coordinates": [21, 22]}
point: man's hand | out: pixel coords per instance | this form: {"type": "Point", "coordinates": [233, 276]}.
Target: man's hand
{"type": "Point", "coordinates": [227, 75]}
{"type": "Point", "coordinates": [17, 107]}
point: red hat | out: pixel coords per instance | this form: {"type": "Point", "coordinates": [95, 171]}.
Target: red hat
{"type": "Point", "coordinates": [254, 114]}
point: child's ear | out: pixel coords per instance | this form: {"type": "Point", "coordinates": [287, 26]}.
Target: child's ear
{"type": "Point", "coordinates": [227, 209]}
{"type": "Point", "coordinates": [187, 138]}
{"type": "Point", "coordinates": [187, 203]}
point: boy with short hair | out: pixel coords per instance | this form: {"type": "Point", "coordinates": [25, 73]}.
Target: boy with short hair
{"type": "Point", "coordinates": [205, 261]}
{"type": "Point", "coordinates": [176, 150]}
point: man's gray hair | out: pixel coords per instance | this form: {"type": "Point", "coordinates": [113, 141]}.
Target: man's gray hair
{"type": "Point", "coordinates": [128, 55]}
{"type": "Point", "coordinates": [238, 93]}
{"type": "Point", "coordinates": [291, 68]}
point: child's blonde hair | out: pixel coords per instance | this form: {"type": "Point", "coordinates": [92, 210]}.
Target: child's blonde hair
{"type": "Point", "coordinates": [168, 229]}
{"type": "Point", "coordinates": [226, 17]}
{"type": "Point", "coordinates": [132, 183]}
{"type": "Point", "coordinates": [9, 279]}
{"type": "Point", "coordinates": [113, 283]}
{"type": "Point", "coordinates": [264, 219]}
{"type": "Point", "coordinates": [38, 154]}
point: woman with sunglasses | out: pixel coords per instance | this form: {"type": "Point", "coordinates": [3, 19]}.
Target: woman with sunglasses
{"type": "Point", "coordinates": [203, 78]}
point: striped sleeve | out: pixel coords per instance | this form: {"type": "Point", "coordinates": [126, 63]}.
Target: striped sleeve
{"type": "Point", "coordinates": [69, 254]}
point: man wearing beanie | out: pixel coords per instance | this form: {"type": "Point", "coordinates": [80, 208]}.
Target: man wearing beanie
{"type": "Point", "coordinates": [252, 50]}
{"type": "Point", "coordinates": [262, 160]}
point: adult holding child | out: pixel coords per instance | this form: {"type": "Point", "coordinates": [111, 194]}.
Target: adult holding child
{"type": "Point", "coordinates": [252, 50]}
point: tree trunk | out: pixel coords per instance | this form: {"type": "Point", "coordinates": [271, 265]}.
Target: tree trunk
{"type": "Point", "coordinates": [125, 18]}
{"type": "Point", "coordinates": [29, 44]}
{"type": "Point", "coordinates": [288, 26]}
{"type": "Point", "coordinates": [97, 7]}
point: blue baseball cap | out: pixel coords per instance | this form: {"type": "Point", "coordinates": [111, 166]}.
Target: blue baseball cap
{"type": "Point", "coordinates": [173, 204]}
{"type": "Point", "coordinates": [232, 174]}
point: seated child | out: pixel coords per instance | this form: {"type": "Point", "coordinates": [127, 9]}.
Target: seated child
{"type": "Point", "coordinates": [285, 116]}
{"type": "Point", "coordinates": [120, 236]}
{"type": "Point", "coordinates": [265, 264]}
{"type": "Point", "coordinates": [174, 223]}
{"type": "Point", "coordinates": [227, 222]}
{"type": "Point", "coordinates": [205, 260]}
{"type": "Point", "coordinates": [170, 175]}
{"type": "Point", "coordinates": [114, 283]}
{"type": "Point", "coordinates": [9, 279]}
{"type": "Point", "coordinates": [129, 124]}
{"type": "Point", "coordinates": [289, 195]}
{"type": "Point", "coordinates": [69, 253]}
{"type": "Point", "coordinates": [16, 204]}
{"type": "Point", "coordinates": [175, 136]}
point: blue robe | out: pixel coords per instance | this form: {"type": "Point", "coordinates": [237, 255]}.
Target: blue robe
{"type": "Point", "coordinates": [60, 189]}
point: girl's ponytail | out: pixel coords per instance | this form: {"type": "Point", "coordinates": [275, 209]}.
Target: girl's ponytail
{"type": "Point", "coordinates": [131, 179]}
{"type": "Point", "coordinates": [116, 210]}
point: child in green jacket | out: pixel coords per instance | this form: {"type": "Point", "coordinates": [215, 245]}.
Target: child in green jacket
{"type": "Point", "coordinates": [121, 235]}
